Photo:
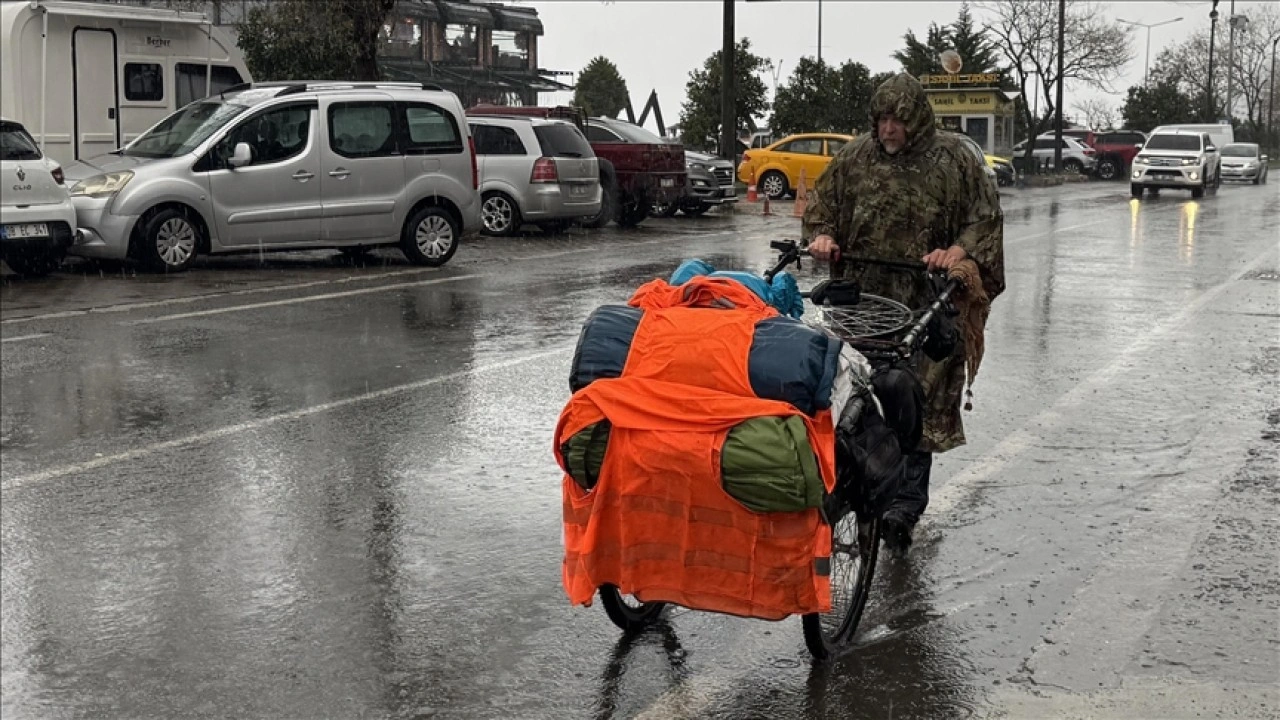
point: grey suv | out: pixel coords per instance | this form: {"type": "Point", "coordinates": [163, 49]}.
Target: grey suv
{"type": "Point", "coordinates": [534, 170]}
{"type": "Point", "coordinates": [286, 166]}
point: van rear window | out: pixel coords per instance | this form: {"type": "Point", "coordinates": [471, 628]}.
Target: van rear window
{"type": "Point", "coordinates": [562, 141]}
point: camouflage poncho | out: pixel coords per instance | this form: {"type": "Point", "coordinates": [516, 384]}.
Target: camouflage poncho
{"type": "Point", "coordinates": [932, 194]}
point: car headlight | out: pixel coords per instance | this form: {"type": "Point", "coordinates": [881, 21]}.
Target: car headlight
{"type": "Point", "coordinates": [1141, 159]}
{"type": "Point", "coordinates": [697, 166]}
{"type": "Point", "coordinates": [1250, 165]}
{"type": "Point", "coordinates": [100, 186]}
{"type": "Point", "coordinates": [1190, 161]}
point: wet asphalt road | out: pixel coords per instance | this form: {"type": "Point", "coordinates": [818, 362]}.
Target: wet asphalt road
{"type": "Point", "coordinates": [307, 489]}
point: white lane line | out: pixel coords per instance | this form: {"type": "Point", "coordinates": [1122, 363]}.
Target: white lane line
{"type": "Point", "coordinates": [20, 338]}
{"type": "Point", "coordinates": [691, 698]}
{"type": "Point", "coordinates": [129, 307]}
{"type": "Point", "coordinates": [949, 495]}
{"type": "Point", "coordinates": [201, 437]}
{"type": "Point", "coordinates": [297, 300]}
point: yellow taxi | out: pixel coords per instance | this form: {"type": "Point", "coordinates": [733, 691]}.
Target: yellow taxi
{"type": "Point", "coordinates": [775, 170]}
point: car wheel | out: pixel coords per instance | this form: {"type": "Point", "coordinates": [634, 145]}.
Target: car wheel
{"type": "Point", "coordinates": [168, 241]}
{"type": "Point", "coordinates": [499, 214]}
{"type": "Point", "coordinates": [631, 211]}
{"type": "Point", "coordinates": [696, 210]}
{"type": "Point", "coordinates": [430, 236]}
{"type": "Point", "coordinates": [774, 185]}
{"type": "Point", "coordinates": [36, 263]}
{"type": "Point", "coordinates": [1135, 190]}
{"type": "Point", "coordinates": [1108, 168]}
{"type": "Point", "coordinates": [664, 209]}
{"type": "Point", "coordinates": [608, 197]}
{"type": "Point", "coordinates": [1072, 165]}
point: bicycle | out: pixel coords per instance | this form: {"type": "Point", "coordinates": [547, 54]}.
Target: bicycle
{"type": "Point", "coordinates": [874, 326]}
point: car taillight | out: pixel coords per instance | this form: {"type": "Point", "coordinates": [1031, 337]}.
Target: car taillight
{"type": "Point", "coordinates": [58, 177]}
{"type": "Point", "coordinates": [1089, 151]}
{"type": "Point", "coordinates": [475, 169]}
{"type": "Point", "coordinates": [544, 171]}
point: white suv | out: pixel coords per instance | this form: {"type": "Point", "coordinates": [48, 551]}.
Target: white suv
{"type": "Point", "coordinates": [1176, 159]}
{"type": "Point", "coordinates": [287, 166]}
{"type": "Point", "coordinates": [1077, 157]}
{"type": "Point", "coordinates": [38, 222]}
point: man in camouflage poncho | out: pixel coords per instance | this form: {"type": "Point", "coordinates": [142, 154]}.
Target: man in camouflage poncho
{"type": "Point", "coordinates": [906, 192]}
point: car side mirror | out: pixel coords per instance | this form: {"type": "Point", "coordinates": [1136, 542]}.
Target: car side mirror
{"type": "Point", "coordinates": [1138, 145]}
{"type": "Point", "coordinates": [241, 156]}
{"type": "Point", "coordinates": [1210, 148]}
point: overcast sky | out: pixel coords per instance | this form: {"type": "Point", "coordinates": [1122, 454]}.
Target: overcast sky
{"type": "Point", "coordinates": [656, 44]}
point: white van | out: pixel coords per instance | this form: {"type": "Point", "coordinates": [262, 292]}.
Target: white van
{"type": "Point", "coordinates": [1221, 135]}
{"type": "Point", "coordinates": [86, 78]}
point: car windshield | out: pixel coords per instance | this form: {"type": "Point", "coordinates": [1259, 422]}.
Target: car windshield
{"type": "Point", "coordinates": [183, 131]}
{"type": "Point", "coordinates": [635, 133]}
{"type": "Point", "coordinates": [16, 144]}
{"type": "Point", "coordinates": [1173, 142]}
{"type": "Point", "coordinates": [1240, 151]}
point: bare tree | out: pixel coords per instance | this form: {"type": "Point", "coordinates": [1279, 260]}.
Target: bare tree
{"type": "Point", "coordinates": [1026, 33]}
{"type": "Point", "coordinates": [1252, 67]}
{"type": "Point", "coordinates": [1098, 113]}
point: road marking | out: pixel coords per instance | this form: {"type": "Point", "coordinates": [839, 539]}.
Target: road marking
{"type": "Point", "coordinates": [20, 338]}
{"type": "Point", "coordinates": [225, 431]}
{"type": "Point", "coordinates": [297, 300]}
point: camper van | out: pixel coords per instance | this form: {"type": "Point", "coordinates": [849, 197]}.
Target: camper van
{"type": "Point", "coordinates": [86, 78]}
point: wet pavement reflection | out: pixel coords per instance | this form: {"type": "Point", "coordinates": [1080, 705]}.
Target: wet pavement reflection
{"type": "Point", "coordinates": [300, 488]}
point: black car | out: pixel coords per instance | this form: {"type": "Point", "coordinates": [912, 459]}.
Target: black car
{"type": "Point", "coordinates": [710, 183]}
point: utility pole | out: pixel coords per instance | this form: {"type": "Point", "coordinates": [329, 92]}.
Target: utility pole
{"type": "Point", "coordinates": [1231, 57]}
{"type": "Point", "coordinates": [1213, 33]}
{"type": "Point", "coordinates": [819, 32]}
{"type": "Point", "coordinates": [1062, 41]}
{"type": "Point", "coordinates": [1271, 104]}
{"type": "Point", "coordinates": [728, 121]}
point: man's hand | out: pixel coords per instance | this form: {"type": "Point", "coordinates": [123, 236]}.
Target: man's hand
{"type": "Point", "coordinates": [944, 259]}
{"type": "Point", "coordinates": [824, 247]}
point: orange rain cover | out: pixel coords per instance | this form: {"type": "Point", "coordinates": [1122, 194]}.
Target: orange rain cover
{"type": "Point", "coordinates": [658, 523]}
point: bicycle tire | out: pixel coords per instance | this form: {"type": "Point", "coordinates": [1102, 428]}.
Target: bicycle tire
{"type": "Point", "coordinates": [629, 617]}
{"type": "Point", "coordinates": [873, 317]}
{"type": "Point", "coordinates": [828, 634]}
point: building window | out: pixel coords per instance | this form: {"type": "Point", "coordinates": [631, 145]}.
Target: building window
{"type": "Point", "coordinates": [460, 44]}
{"type": "Point", "coordinates": [189, 81]}
{"type": "Point", "coordinates": [510, 49]}
{"type": "Point", "coordinates": [143, 82]}
{"type": "Point", "coordinates": [402, 38]}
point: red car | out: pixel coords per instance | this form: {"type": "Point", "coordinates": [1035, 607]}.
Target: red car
{"type": "Point", "coordinates": [1116, 151]}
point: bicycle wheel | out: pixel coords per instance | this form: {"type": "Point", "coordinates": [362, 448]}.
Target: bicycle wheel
{"type": "Point", "coordinates": [629, 614]}
{"type": "Point", "coordinates": [872, 317]}
{"type": "Point", "coordinates": [854, 547]}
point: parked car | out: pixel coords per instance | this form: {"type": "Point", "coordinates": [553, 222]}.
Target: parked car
{"type": "Point", "coordinates": [637, 168]}
{"type": "Point", "coordinates": [533, 171]}
{"type": "Point", "coordinates": [1077, 157]}
{"type": "Point", "coordinates": [976, 150]}
{"type": "Point", "coordinates": [286, 166]}
{"type": "Point", "coordinates": [1003, 168]}
{"type": "Point", "coordinates": [710, 183]}
{"type": "Point", "coordinates": [1116, 150]}
{"type": "Point", "coordinates": [775, 170]}
{"type": "Point", "coordinates": [1180, 159]}
{"type": "Point", "coordinates": [1244, 161]}
{"type": "Point", "coordinates": [39, 222]}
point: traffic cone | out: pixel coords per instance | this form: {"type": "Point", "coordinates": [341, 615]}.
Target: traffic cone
{"type": "Point", "coordinates": [802, 198]}
{"type": "Point", "coordinates": [751, 191]}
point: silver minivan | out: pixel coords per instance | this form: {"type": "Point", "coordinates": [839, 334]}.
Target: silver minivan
{"type": "Point", "coordinates": [534, 170]}
{"type": "Point", "coordinates": [286, 166]}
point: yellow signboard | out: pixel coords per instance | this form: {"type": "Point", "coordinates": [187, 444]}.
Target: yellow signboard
{"type": "Point", "coordinates": [960, 102]}
{"type": "Point", "coordinates": [983, 79]}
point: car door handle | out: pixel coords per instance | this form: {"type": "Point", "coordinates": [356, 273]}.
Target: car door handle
{"type": "Point", "coordinates": [339, 173]}
{"type": "Point", "coordinates": [303, 176]}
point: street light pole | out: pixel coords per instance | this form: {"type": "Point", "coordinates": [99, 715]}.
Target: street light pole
{"type": "Point", "coordinates": [819, 32]}
{"type": "Point", "coordinates": [1213, 33]}
{"type": "Point", "coordinates": [728, 122]}
{"type": "Point", "coordinates": [1062, 42]}
{"type": "Point", "coordinates": [1271, 104]}
{"type": "Point", "coordinates": [1147, 65]}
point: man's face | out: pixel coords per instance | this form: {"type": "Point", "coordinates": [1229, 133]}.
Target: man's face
{"type": "Point", "coordinates": [892, 132]}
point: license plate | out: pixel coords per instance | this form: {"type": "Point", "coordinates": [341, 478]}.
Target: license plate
{"type": "Point", "coordinates": [578, 190]}
{"type": "Point", "coordinates": [667, 182]}
{"type": "Point", "coordinates": [24, 231]}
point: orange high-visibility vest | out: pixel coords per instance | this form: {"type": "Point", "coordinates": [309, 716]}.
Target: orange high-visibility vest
{"type": "Point", "coordinates": [659, 524]}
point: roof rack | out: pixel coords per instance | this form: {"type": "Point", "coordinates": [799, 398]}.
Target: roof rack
{"type": "Point", "coordinates": [289, 87]}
